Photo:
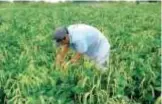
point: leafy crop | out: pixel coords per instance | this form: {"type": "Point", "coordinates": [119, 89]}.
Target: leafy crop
{"type": "Point", "coordinates": [27, 54]}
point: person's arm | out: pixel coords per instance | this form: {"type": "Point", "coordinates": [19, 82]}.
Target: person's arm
{"type": "Point", "coordinates": [75, 58]}
{"type": "Point", "coordinates": [81, 48]}
{"type": "Point", "coordinates": [61, 54]}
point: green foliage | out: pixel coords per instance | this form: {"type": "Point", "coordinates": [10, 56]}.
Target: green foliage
{"type": "Point", "coordinates": [27, 54]}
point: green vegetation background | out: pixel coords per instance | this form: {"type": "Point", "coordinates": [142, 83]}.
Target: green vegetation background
{"type": "Point", "coordinates": [27, 54]}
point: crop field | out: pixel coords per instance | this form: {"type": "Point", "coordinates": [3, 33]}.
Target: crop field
{"type": "Point", "coordinates": [28, 74]}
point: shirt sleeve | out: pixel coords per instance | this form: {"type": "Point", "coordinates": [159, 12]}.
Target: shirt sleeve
{"type": "Point", "coordinates": [81, 46]}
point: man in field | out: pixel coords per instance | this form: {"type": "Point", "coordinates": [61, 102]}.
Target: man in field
{"type": "Point", "coordinates": [85, 40]}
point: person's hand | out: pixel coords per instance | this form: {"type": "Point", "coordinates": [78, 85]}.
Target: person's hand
{"type": "Point", "coordinates": [72, 61]}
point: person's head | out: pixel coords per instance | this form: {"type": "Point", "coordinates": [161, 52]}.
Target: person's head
{"type": "Point", "coordinates": [61, 36]}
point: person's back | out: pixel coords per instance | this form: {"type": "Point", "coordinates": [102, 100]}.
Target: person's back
{"type": "Point", "coordinates": [88, 35]}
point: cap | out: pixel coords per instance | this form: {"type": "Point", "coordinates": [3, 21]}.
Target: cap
{"type": "Point", "coordinates": [60, 33]}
